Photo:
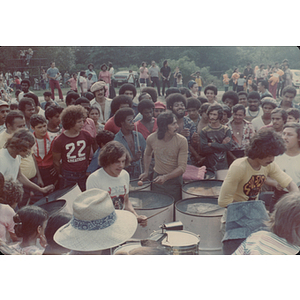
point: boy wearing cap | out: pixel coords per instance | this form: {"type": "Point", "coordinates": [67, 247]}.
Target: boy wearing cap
{"type": "Point", "coordinates": [113, 178]}
{"type": "Point", "coordinates": [159, 108]}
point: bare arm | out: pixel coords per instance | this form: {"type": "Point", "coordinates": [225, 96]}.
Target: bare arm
{"type": "Point", "coordinates": [56, 161]}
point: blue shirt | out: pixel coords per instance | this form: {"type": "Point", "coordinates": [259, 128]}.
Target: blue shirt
{"type": "Point", "coordinates": [94, 162]}
{"type": "Point", "coordinates": [52, 72]}
{"type": "Point", "coordinates": [94, 77]}
{"type": "Point", "coordinates": [134, 169]}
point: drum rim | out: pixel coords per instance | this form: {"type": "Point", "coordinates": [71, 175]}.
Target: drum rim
{"type": "Point", "coordinates": [194, 181]}
{"type": "Point", "coordinates": [190, 214]}
{"type": "Point", "coordinates": [165, 194]}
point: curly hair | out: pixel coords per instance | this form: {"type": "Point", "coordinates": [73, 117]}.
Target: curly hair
{"type": "Point", "coordinates": [216, 107]}
{"type": "Point", "coordinates": [285, 219]}
{"type": "Point", "coordinates": [211, 87]}
{"type": "Point", "coordinates": [12, 192]}
{"type": "Point", "coordinates": [36, 120]}
{"type": "Point", "coordinates": [171, 99]}
{"type": "Point", "coordinates": [104, 136]}
{"type": "Point", "coordinates": [127, 87]}
{"type": "Point", "coordinates": [266, 142]}
{"type": "Point", "coordinates": [117, 101]}
{"type": "Point", "coordinates": [151, 91]}
{"type": "Point", "coordinates": [71, 114]}
{"type": "Point", "coordinates": [21, 140]}
{"type": "Point", "coordinates": [145, 104]}
{"type": "Point", "coordinates": [28, 219]}
{"type": "Point", "coordinates": [232, 96]}
{"type": "Point", "coordinates": [52, 111]}
{"type": "Point", "coordinates": [71, 96]}
{"type": "Point", "coordinates": [122, 114]}
{"type": "Point", "coordinates": [193, 103]}
{"type": "Point", "coordinates": [111, 152]}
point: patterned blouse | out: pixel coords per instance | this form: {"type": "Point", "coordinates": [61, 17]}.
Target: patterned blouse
{"type": "Point", "coordinates": [248, 132]}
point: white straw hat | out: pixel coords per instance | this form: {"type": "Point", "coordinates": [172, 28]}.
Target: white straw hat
{"type": "Point", "coordinates": [95, 224]}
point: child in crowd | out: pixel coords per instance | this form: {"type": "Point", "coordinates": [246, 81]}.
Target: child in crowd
{"type": "Point", "coordinates": [89, 81]}
{"type": "Point", "coordinates": [211, 92]}
{"type": "Point", "coordinates": [30, 223]}
{"type": "Point", "coordinates": [193, 86]}
{"type": "Point", "coordinates": [42, 150]}
{"type": "Point", "coordinates": [192, 108]}
{"type": "Point", "coordinates": [159, 108]}
{"type": "Point", "coordinates": [71, 98]}
{"type": "Point", "coordinates": [179, 81]}
{"type": "Point", "coordinates": [199, 82]}
{"type": "Point", "coordinates": [11, 195]}
{"type": "Point", "coordinates": [47, 98]}
{"type": "Point", "coordinates": [82, 83]}
{"type": "Point", "coordinates": [240, 83]}
{"type": "Point", "coordinates": [52, 114]}
{"type": "Point", "coordinates": [293, 115]}
{"type": "Point", "coordinates": [226, 82]}
{"type": "Point", "coordinates": [94, 114]}
{"type": "Point", "coordinates": [71, 148]}
{"type": "Point", "coordinates": [102, 138]}
{"type": "Point", "coordinates": [54, 223]}
{"type": "Point", "coordinates": [73, 82]}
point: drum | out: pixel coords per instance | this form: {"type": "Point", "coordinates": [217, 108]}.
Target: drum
{"type": "Point", "coordinates": [202, 188]}
{"type": "Point", "coordinates": [54, 206]}
{"type": "Point", "coordinates": [158, 206]}
{"type": "Point", "coordinates": [180, 242]}
{"type": "Point", "coordinates": [125, 248]}
{"type": "Point", "coordinates": [202, 216]}
{"type": "Point", "coordinates": [69, 194]}
{"type": "Point", "coordinates": [133, 185]}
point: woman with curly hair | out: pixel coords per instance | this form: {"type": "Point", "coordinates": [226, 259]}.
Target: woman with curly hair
{"type": "Point", "coordinates": [243, 183]}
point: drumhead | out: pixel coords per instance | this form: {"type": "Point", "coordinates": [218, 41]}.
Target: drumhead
{"type": "Point", "coordinates": [150, 200]}
{"type": "Point", "coordinates": [204, 188]}
{"type": "Point", "coordinates": [127, 247]}
{"type": "Point", "coordinates": [202, 207]}
{"type": "Point", "coordinates": [133, 185]}
{"type": "Point", "coordinates": [180, 239]}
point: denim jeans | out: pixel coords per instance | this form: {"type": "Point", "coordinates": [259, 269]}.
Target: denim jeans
{"type": "Point", "coordinates": [70, 178]}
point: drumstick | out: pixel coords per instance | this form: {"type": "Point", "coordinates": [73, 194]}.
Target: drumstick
{"type": "Point", "coordinates": [157, 213]}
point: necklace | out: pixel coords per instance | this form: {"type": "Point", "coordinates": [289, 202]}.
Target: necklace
{"type": "Point", "coordinates": [253, 115]}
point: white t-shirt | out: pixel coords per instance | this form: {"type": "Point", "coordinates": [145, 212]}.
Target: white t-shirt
{"type": "Point", "coordinates": [117, 187]}
{"type": "Point", "coordinates": [290, 165]}
{"type": "Point", "coordinates": [258, 123]}
{"type": "Point", "coordinates": [9, 166]}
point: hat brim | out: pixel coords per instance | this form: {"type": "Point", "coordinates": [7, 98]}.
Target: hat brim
{"type": "Point", "coordinates": [93, 240]}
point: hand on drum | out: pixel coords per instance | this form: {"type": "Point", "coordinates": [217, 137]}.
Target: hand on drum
{"type": "Point", "coordinates": [142, 220]}
{"type": "Point", "coordinates": [48, 189]}
{"type": "Point", "coordinates": [161, 179]}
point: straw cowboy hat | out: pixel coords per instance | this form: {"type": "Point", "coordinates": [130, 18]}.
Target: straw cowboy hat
{"type": "Point", "coordinates": [95, 224]}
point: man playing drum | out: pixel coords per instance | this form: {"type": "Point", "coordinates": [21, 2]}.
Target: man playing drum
{"type": "Point", "coordinates": [243, 183]}
{"type": "Point", "coordinates": [170, 153]}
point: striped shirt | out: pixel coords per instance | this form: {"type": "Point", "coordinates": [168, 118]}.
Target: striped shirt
{"type": "Point", "coordinates": [266, 243]}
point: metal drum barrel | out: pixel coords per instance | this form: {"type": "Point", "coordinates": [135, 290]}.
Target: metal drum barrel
{"type": "Point", "coordinates": [202, 188]}
{"type": "Point", "coordinates": [180, 242]}
{"type": "Point", "coordinates": [150, 203]}
{"type": "Point", "coordinates": [69, 194]}
{"type": "Point", "coordinates": [133, 185]}
{"type": "Point", "coordinates": [202, 216]}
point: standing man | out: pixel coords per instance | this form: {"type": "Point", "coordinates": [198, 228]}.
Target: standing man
{"type": "Point", "coordinates": [53, 74]}
{"type": "Point", "coordinates": [248, 70]}
{"type": "Point", "coordinates": [112, 177]}
{"type": "Point", "coordinates": [288, 95]}
{"type": "Point", "coordinates": [279, 118]}
{"type": "Point", "coordinates": [215, 141]}
{"type": "Point", "coordinates": [4, 110]}
{"type": "Point", "coordinates": [243, 183]}
{"type": "Point", "coordinates": [25, 85]}
{"type": "Point", "coordinates": [27, 107]}
{"type": "Point", "coordinates": [154, 75]}
{"type": "Point", "coordinates": [165, 74]}
{"type": "Point", "coordinates": [253, 110]}
{"type": "Point", "coordinates": [170, 154]}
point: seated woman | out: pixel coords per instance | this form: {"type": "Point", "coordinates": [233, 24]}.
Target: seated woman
{"type": "Point", "coordinates": [284, 235]}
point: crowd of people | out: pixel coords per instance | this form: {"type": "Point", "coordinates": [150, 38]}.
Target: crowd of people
{"type": "Point", "coordinates": [100, 141]}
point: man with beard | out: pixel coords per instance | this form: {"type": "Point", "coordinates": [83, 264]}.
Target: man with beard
{"type": "Point", "coordinates": [215, 141]}
{"type": "Point", "coordinates": [170, 154]}
{"type": "Point", "coordinates": [253, 110]}
{"type": "Point", "coordinates": [243, 183]}
{"type": "Point", "coordinates": [177, 103]}
{"type": "Point", "coordinates": [25, 85]}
